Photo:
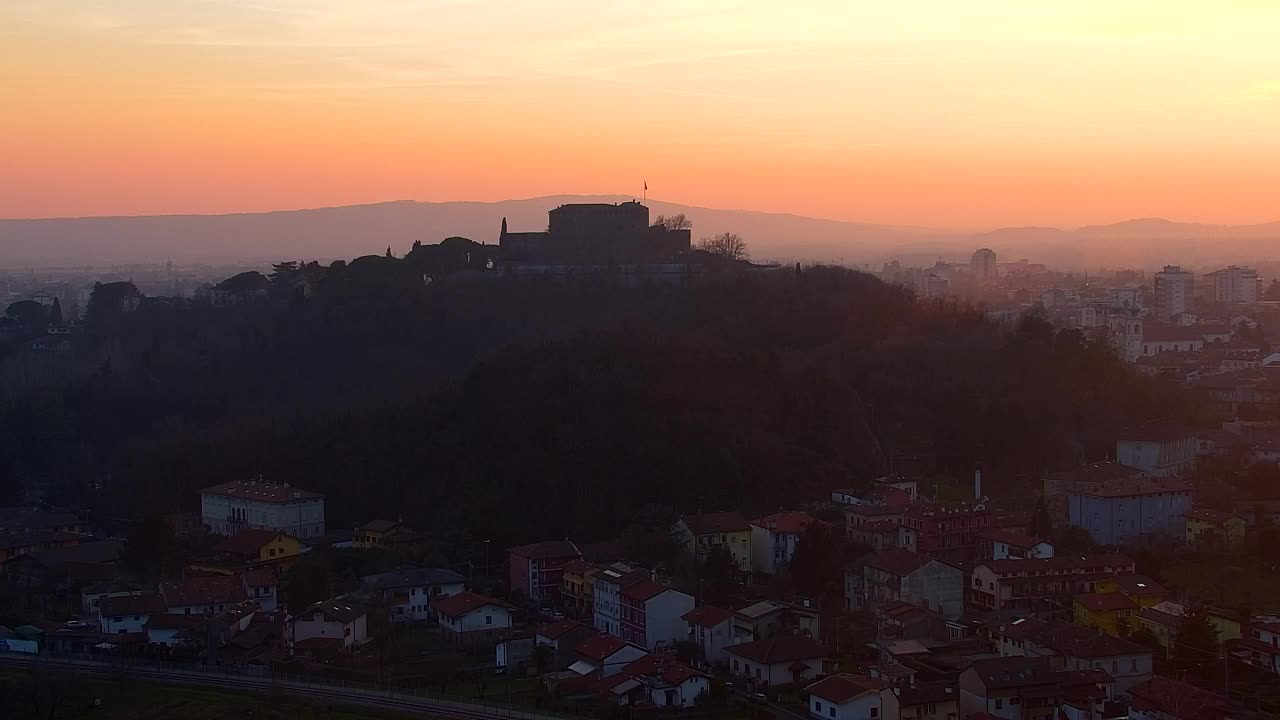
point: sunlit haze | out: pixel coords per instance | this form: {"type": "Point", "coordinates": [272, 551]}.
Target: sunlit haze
{"type": "Point", "coordinates": [928, 112]}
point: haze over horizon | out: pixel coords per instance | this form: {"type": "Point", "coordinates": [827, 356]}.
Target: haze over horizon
{"type": "Point", "coordinates": [954, 116]}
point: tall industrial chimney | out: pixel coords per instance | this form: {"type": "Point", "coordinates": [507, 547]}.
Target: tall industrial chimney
{"type": "Point", "coordinates": [977, 484]}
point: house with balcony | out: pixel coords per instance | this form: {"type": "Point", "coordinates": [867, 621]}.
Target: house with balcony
{"type": "Point", "coordinates": [704, 531]}
{"type": "Point", "coordinates": [1207, 529]}
{"type": "Point", "coordinates": [783, 660]}
{"type": "Point", "coordinates": [1037, 583]}
{"type": "Point", "coordinates": [884, 534]}
{"type": "Point", "coordinates": [900, 575]}
{"type": "Point", "coordinates": [255, 504]}
{"type": "Point", "coordinates": [711, 628]}
{"type": "Point", "coordinates": [606, 595]}
{"type": "Point", "coordinates": [948, 531]}
{"type": "Point", "coordinates": [1121, 511]}
{"type": "Point", "coordinates": [537, 569]}
{"type": "Point", "coordinates": [408, 594]}
{"type": "Point", "coordinates": [327, 628]}
{"type": "Point", "coordinates": [651, 614]}
{"type": "Point", "coordinates": [1071, 647]}
{"type": "Point", "coordinates": [468, 619]}
{"type": "Point", "coordinates": [1262, 644]}
{"type": "Point", "coordinates": [1010, 688]}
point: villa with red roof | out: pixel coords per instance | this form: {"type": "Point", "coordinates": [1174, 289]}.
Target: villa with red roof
{"type": "Point", "coordinates": [712, 629]}
{"type": "Point", "coordinates": [780, 660]}
{"type": "Point", "coordinates": [469, 619]}
{"type": "Point", "coordinates": [260, 505]}
{"type": "Point", "coordinates": [705, 531]}
{"type": "Point", "coordinates": [650, 614]}
{"type": "Point", "coordinates": [774, 538]}
{"type": "Point", "coordinates": [852, 697]}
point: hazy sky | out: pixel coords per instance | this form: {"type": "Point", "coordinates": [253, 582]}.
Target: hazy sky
{"type": "Point", "coordinates": [928, 112]}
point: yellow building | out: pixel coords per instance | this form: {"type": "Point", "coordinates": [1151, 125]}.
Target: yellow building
{"type": "Point", "coordinates": [372, 534]}
{"type": "Point", "coordinates": [1226, 623]}
{"type": "Point", "coordinates": [705, 531]}
{"type": "Point", "coordinates": [1108, 612]}
{"type": "Point", "coordinates": [1213, 528]}
{"type": "Point", "coordinates": [1142, 590]}
{"type": "Point", "coordinates": [260, 545]}
{"type": "Point", "coordinates": [577, 587]}
{"type": "Point", "coordinates": [1162, 624]}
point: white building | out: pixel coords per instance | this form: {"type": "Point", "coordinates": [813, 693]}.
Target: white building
{"type": "Point", "coordinates": [469, 619]}
{"type": "Point", "coordinates": [1175, 291]}
{"type": "Point", "coordinates": [651, 614]}
{"type": "Point", "coordinates": [408, 594]}
{"type": "Point", "coordinates": [1234, 284]}
{"type": "Point", "coordinates": [231, 506]}
{"type": "Point", "coordinates": [127, 614]}
{"type": "Point", "coordinates": [263, 587]}
{"type": "Point", "coordinates": [852, 697]}
{"type": "Point", "coordinates": [712, 629]}
{"type": "Point", "coordinates": [328, 625]}
{"type": "Point", "coordinates": [1072, 647]}
{"type": "Point", "coordinates": [774, 538]}
{"type": "Point", "coordinates": [94, 594]}
{"type": "Point", "coordinates": [780, 660]}
{"type": "Point", "coordinates": [1158, 449]}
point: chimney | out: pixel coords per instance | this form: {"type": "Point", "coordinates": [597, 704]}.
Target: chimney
{"type": "Point", "coordinates": [977, 484]}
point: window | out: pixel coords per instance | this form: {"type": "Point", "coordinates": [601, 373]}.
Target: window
{"type": "Point", "coordinates": [488, 619]}
{"type": "Point", "coordinates": [119, 619]}
{"type": "Point", "coordinates": [999, 704]}
{"type": "Point", "coordinates": [1115, 666]}
{"type": "Point", "coordinates": [833, 712]}
{"type": "Point", "coordinates": [1133, 665]}
{"type": "Point", "coordinates": [875, 712]}
{"type": "Point", "coordinates": [1015, 701]}
{"type": "Point", "coordinates": [817, 705]}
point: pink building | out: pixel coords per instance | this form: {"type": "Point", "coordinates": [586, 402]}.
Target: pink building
{"type": "Point", "coordinates": [536, 569]}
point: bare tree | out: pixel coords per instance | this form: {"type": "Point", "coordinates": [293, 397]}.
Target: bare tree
{"type": "Point", "coordinates": [727, 245]}
{"type": "Point", "coordinates": [673, 222]}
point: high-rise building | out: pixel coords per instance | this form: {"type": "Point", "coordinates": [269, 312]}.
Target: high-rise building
{"type": "Point", "coordinates": [983, 264]}
{"type": "Point", "coordinates": [1234, 285]}
{"type": "Point", "coordinates": [1175, 291]}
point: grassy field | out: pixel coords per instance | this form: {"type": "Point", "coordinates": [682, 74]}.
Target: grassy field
{"type": "Point", "coordinates": [27, 696]}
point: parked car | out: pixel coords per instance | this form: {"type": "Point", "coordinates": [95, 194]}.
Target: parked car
{"type": "Point", "coordinates": [758, 698]}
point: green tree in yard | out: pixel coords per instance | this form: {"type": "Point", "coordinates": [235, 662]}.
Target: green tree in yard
{"type": "Point", "coordinates": [816, 565]}
{"type": "Point", "coordinates": [1195, 649]}
{"type": "Point", "coordinates": [719, 576]}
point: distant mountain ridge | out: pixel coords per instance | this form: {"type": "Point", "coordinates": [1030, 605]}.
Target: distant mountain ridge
{"type": "Point", "coordinates": [353, 230]}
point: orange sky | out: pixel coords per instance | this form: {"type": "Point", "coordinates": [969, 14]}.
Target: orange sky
{"type": "Point", "coordinates": [926, 112]}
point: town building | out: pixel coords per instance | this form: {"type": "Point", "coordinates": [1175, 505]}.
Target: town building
{"type": "Point", "coordinates": [21, 543]}
{"type": "Point", "coordinates": [1159, 339]}
{"type": "Point", "coordinates": [577, 588]}
{"type": "Point", "coordinates": [606, 611]}
{"type": "Point", "coordinates": [27, 519]}
{"type": "Point", "coordinates": [1208, 529]}
{"type": "Point", "coordinates": [202, 595]}
{"type": "Point", "coordinates": [233, 506]}
{"type": "Point", "coordinates": [1159, 449]}
{"type": "Point", "coordinates": [605, 655]}
{"type": "Point", "coordinates": [93, 594]}
{"type": "Point", "coordinates": [253, 546]}
{"type": "Point", "coordinates": [651, 614]}
{"type": "Point", "coordinates": [1002, 544]}
{"type": "Point", "coordinates": [386, 535]}
{"type": "Point", "coordinates": [769, 618]}
{"type": "Point", "coordinates": [982, 265]}
{"type": "Point", "coordinates": [1162, 698]}
{"type": "Point", "coordinates": [1142, 590]}
{"type": "Point", "coordinates": [262, 586]}
{"type": "Point", "coordinates": [1127, 510]}
{"type": "Point", "coordinates": [328, 628]}
{"type": "Point", "coordinates": [468, 619]}
{"type": "Point", "coordinates": [1234, 284]}
{"type": "Point", "coordinates": [657, 680]}
{"type": "Point", "coordinates": [1161, 620]}
{"type": "Point", "coordinates": [1263, 644]}
{"type": "Point", "coordinates": [563, 638]}
{"type": "Point", "coordinates": [851, 697]}
{"type": "Point", "coordinates": [1110, 613]}
{"type": "Point", "coordinates": [712, 629]}
{"type": "Point", "coordinates": [705, 531]}
{"type": "Point", "coordinates": [947, 531]}
{"type": "Point", "coordinates": [1010, 689]}
{"type": "Point", "coordinates": [884, 534]}
{"type": "Point", "coordinates": [1175, 291]}
{"type": "Point", "coordinates": [1073, 647]}
{"type": "Point", "coordinates": [929, 701]}
{"type": "Point", "coordinates": [1027, 584]}
{"type": "Point", "coordinates": [128, 614]}
{"type": "Point", "coordinates": [781, 660]}
{"type": "Point", "coordinates": [901, 575]}
{"type": "Point", "coordinates": [408, 594]}
{"type": "Point", "coordinates": [537, 569]}
{"type": "Point", "coordinates": [774, 538]}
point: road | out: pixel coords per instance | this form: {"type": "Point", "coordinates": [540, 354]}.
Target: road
{"type": "Point", "coordinates": [778, 711]}
{"type": "Point", "coordinates": [347, 695]}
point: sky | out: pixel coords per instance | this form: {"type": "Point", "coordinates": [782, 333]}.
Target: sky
{"type": "Point", "coordinates": [938, 113]}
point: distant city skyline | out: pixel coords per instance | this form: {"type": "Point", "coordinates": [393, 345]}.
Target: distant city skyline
{"type": "Point", "coordinates": [946, 115]}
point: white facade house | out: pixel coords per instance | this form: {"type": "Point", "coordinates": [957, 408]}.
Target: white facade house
{"type": "Point", "coordinates": [408, 594]}
{"type": "Point", "coordinates": [127, 614]}
{"type": "Point", "coordinates": [92, 595]}
{"type": "Point", "coordinates": [712, 629]}
{"type": "Point", "coordinates": [1158, 450]}
{"type": "Point", "coordinates": [231, 506]}
{"type": "Point", "coordinates": [263, 587]}
{"type": "Point", "coordinates": [780, 660]}
{"type": "Point", "coordinates": [468, 618]}
{"type": "Point", "coordinates": [1072, 647]}
{"type": "Point", "coordinates": [651, 614]}
{"type": "Point", "coordinates": [337, 621]}
{"type": "Point", "coordinates": [774, 539]}
{"type": "Point", "coordinates": [852, 697]}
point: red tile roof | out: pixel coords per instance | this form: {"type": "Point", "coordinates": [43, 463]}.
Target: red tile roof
{"type": "Point", "coordinates": [716, 523]}
{"type": "Point", "coordinates": [791, 521]}
{"type": "Point", "coordinates": [131, 605]}
{"type": "Point", "coordinates": [1179, 699]}
{"type": "Point", "coordinates": [1035, 566]}
{"type": "Point", "coordinates": [458, 605]}
{"type": "Point", "coordinates": [170, 621]}
{"type": "Point", "coordinates": [673, 673]}
{"type": "Point", "coordinates": [707, 616]}
{"type": "Point", "coordinates": [1105, 602]}
{"type": "Point", "coordinates": [1133, 487]}
{"type": "Point", "coordinates": [1008, 537]}
{"type": "Point", "coordinates": [260, 577]}
{"type": "Point", "coordinates": [261, 491]}
{"type": "Point", "coordinates": [778, 649]}
{"type": "Point", "coordinates": [845, 687]}
{"type": "Point", "coordinates": [1139, 585]}
{"type": "Point", "coordinates": [248, 541]}
{"type": "Point", "coordinates": [898, 562]}
{"type": "Point", "coordinates": [558, 630]}
{"type": "Point", "coordinates": [1072, 640]}
{"type": "Point", "coordinates": [643, 590]}
{"type": "Point", "coordinates": [600, 647]}
{"type": "Point", "coordinates": [219, 590]}
{"type": "Point", "coordinates": [548, 550]}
